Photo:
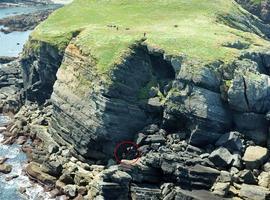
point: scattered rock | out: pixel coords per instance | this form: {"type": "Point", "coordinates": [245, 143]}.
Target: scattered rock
{"type": "Point", "coordinates": [53, 148]}
{"type": "Point", "coordinates": [221, 189]}
{"type": "Point", "coordinates": [255, 157]}
{"type": "Point", "coordinates": [70, 190]}
{"type": "Point", "coordinates": [221, 157]}
{"type": "Point", "coordinates": [5, 168]}
{"type": "Point", "coordinates": [21, 140]}
{"type": "Point", "coordinates": [246, 176]}
{"type": "Point", "coordinates": [3, 160]}
{"type": "Point", "coordinates": [254, 192]}
{"type": "Point", "coordinates": [264, 179]}
{"type": "Point", "coordinates": [266, 167]}
{"type": "Point", "coordinates": [231, 141]}
{"type": "Point", "coordinates": [35, 172]}
{"type": "Point", "coordinates": [22, 190]}
{"type": "Point", "coordinates": [9, 178]}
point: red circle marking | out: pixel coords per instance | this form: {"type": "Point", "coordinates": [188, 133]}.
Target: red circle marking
{"type": "Point", "coordinates": [124, 143]}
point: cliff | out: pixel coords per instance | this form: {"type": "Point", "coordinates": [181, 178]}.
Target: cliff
{"type": "Point", "coordinates": [198, 70]}
{"type": "Point", "coordinates": [257, 7]}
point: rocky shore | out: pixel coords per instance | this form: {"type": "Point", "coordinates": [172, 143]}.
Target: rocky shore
{"type": "Point", "coordinates": [24, 22]}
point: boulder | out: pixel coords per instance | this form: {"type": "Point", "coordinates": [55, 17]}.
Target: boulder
{"type": "Point", "coordinates": [231, 141]}
{"type": "Point", "coordinates": [253, 125]}
{"type": "Point", "coordinates": [3, 160]}
{"type": "Point", "coordinates": [70, 190]}
{"type": "Point", "coordinates": [264, 179]}
{"type": "Point", "coordinates": [201, 137]}
{"type": "Point", "coordinates": [236, 160]}
{"type": "Point", "coordinates": [221, 189]}
{"type": "Point", "coordinates": [254, 192]}
{"type": "Point", "coordinates": [9, 178]}
{"type": "Point", "coordinates": [53, 148]}
{"type": "Point", "coordinates": [144, 192]}
{"type": "Point", "coordinates": [225, 177]}
{"type": "Point", "coordinates": [255, 157]}
{"type": "Point", "coordinates": [266, 167]}
{"type": "Point", "coordinates": [151, 129]}
{"type": "Point", "coordinates": [35, 172]}
{"type": "Point", "coordinates": [154, 139]}
{"type": "Point", "coordinates": [250, 93]}
{"type": "Point", "coordinates": [221, 157]}
{"type": "Point", "coordinates": [5, 168]}
{"type": "Point", "coordinates": [246, 176]}
{"type": "Point", "coordinates": [202, 110]}
{"type": "Point", "coordinates": [53, 168]}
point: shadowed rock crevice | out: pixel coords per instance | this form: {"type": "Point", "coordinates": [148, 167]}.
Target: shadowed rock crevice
{"type": "Point", "coordinates": [40, 63]}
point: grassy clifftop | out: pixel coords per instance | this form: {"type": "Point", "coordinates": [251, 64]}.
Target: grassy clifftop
{"type": "Point", "coordinates": [108, 28]}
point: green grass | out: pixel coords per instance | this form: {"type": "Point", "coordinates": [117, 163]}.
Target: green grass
{"type": "Point", "coordinates": [187, 27]}
{"type": "Point", "coordinates": [256, 1]}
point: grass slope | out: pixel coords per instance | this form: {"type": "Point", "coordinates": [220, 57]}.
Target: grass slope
{"type": "Point", "coordinates": [187, 27]}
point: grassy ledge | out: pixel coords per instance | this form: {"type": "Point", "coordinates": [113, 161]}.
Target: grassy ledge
{"type": "Point", "coordinates": [108, 28]}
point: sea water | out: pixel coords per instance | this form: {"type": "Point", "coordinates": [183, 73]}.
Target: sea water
{"type": "Point", "coordinates": [11, 44]}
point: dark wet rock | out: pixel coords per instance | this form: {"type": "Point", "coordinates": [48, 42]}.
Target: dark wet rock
{"type": "Point", "coordinates": [231, 141]}
{"type": "Point", "coordinates": [203, 137]}
{"type": "Point", "coordinates": [66, 178]}
{"type": "Point", "coordinates": [3, 160]}
{"type": "Point", "coordinates": [247, 177]}
{"type": "Point", "coordinates": [145, 192]}
{"type": "Point", "coordinates": [10, 86]}
{"type": "Point", "coordinates": [194, 195]}
{"type": "Point", "coordinates": [53, 168]}
{"type": "Point", "coordinates": [154, 139]}
{"type": "Point", "coordinates": [9, 178]}
{"type": "Point", "coordinates": [251, 192]}
{"type": "Point", "coordinates": [250, 93]}
{"type": "Point", "coordinates": [260, 8]}
{"type": "Point", "coordinates": [237, 45]}
{"type": "Point", "coordinates": [151, 129]}
{"type": "Point", "coordinates": [253, 126]}
{"type": "Point", "coordinates": [207, 122]}
{"type": "Point", "coordinates": [4, 59]}
{"type": "Point", "coordinates": [5, 168]}
{"type": "Point", "coordinates": [221, 157]}
{"type": "Point", "coordinates": [255, 157]}
{"type": "Point", "coordinates": [53, 148]}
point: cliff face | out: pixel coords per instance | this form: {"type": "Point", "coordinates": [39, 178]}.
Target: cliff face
{"type": "Point", "coordinates": [95, 109]}
{"type": "Point", "coordinates": [260, 8]}
{"type": "Point", "coordinates": [207, 92]}
{"type": "Point", "coordinates": [39, 67]}
{"type": "Point", "coordinates": [104, 113]}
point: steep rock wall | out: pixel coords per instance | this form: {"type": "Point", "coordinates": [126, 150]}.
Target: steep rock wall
{"type": "Point", "coordinates": [91, 112]}
{"type": "Point", "coordinates": [40, 63]}
{"type": "Point", "coordinates": [259, 8]}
